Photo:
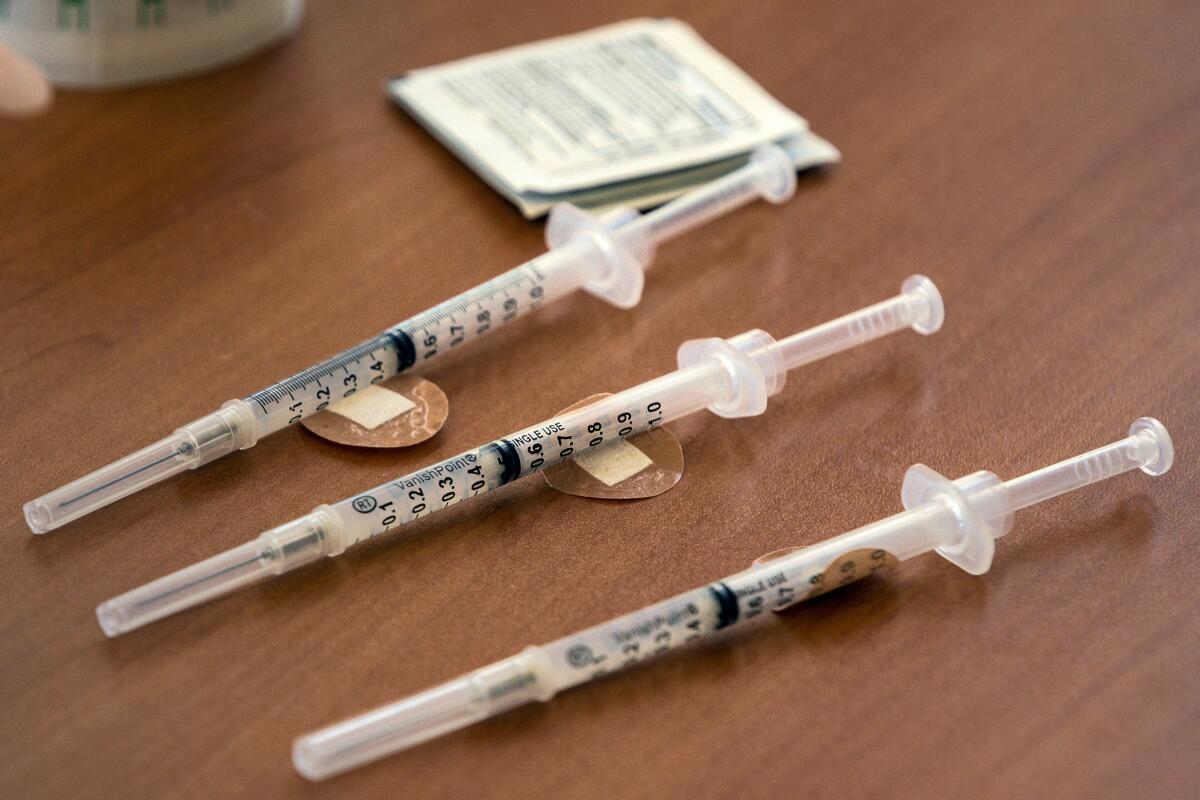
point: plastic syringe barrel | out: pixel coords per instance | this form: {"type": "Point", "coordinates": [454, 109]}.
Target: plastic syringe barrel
{"type": "Point", "coordinates": [935, 520]}
{"type": "Point", "coordinates": [605, 255]}
{"type": "Point", "coordinates": [731, 377]}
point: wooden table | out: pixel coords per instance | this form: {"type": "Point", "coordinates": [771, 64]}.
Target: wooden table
{"type": "Point", "coordinates": [167, 248]}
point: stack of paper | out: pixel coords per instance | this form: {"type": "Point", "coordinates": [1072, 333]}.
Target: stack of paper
{"type": "Point", "coordinates": [629, 114]}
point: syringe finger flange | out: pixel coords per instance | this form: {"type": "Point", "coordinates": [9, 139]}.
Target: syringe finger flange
{"type": "Point", "coordinates": [615, 267]}
{"type": "Point", "coordinates": [975, 544]}
{"type": "Point", "coordinates": [750, 364]}
{"type": "Point", "coordinates": [568, 221]}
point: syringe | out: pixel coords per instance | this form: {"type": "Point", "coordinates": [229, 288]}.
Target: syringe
{"type": "Point", "coordinates": [958, 519]}
{"type": "Point", "coordinates": [604, 256]}
{"type": "Point", "coordinates": [731, 377]}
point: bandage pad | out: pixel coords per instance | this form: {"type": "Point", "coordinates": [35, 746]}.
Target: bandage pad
{"type": "Point", "coordinates": [626, 469]}
{"type": "Point", "coordinates": [373, 406]}
{"type": "Point", "coordinates": [843, 570]}
{"type": "Point", "coordinates": [399, 412]}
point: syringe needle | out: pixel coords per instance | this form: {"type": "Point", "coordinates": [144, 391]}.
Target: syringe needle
{"type": "Point", "coordinates": [731, 377]}
{"type": "Point", "coordinates": [959, 519]}
{"type": "Point", "coordinates": [118, 479]}
{"type": "Point", "coordinates": [605, 256]}
{"type": "Point", "coordinates": [208, 576]}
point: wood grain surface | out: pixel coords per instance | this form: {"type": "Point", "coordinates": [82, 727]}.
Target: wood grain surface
{"type": "Point", "coordinates": [166, 248]}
